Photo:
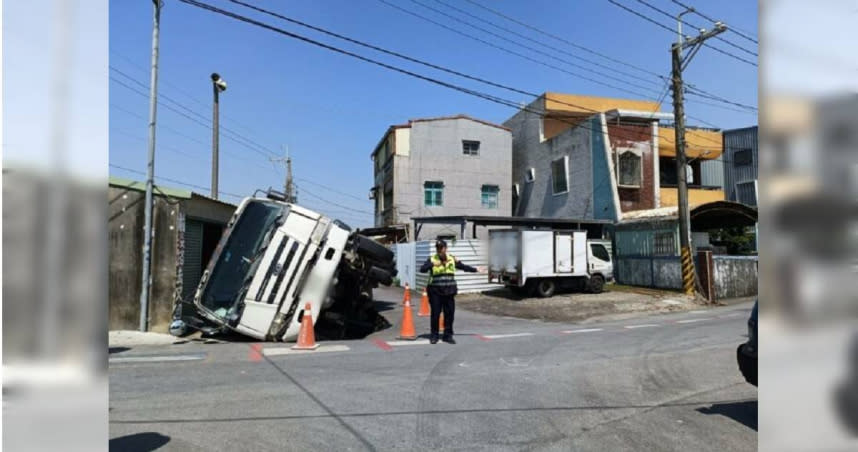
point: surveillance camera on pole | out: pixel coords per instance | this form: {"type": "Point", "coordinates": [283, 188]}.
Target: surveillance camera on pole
{"type": "Point", "coordinates": [218, 86]}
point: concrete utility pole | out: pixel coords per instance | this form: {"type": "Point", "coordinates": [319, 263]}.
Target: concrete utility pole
{"type": "Point", "coordinates": [150, 173]}
{"type": "Point", "coordinates": [288, 185]}
{"type": "Point", "coordinates": [218, 85]}
{"type": "Point", "coordinates": [679, 62]}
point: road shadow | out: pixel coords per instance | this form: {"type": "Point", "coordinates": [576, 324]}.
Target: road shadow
{"type": "Point", "coordinates": [139, 442]}
{"type": "Point", "coordinates": [744, 412]}
{"type": "Point", "coordinates": [112, 350]}
{"type": "Point", "coordinates": [382, 306]}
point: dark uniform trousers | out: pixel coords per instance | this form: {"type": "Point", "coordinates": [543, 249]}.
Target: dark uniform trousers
{"type": "Point", "coordinates": [441, 303]}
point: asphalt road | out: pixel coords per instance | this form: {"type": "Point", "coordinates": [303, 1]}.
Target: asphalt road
{"type": "Point", "coordinates": [661, 382]}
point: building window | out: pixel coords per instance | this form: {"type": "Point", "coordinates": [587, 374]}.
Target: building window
{"type": "Point", "coordinates": [530, 175]}
{"type": "Point", "coordinates": [470, 147]}
{"type": "Point", "coordinates": [559, 170]}
{"type": "Point", "coordinates": [664, 244]}
{"type": "Point", "coordinates": [742, 157]}
{"type": "Point", "coordinates": [630, 169]}
{"type": "Point", "coordinates": [489, 196]}
{"type": "Point", "coordinates": [433, 194]}
{"type": "Point", "coordinates": [746, 193]}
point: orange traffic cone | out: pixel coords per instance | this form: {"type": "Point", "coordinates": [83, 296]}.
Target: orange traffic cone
{"type": "Point", "coordinates": [407, 332]}
{"type": "Point", "coordinates": [306, 337]}
{"type": "Point", "coordinates": [407, 296]}
{"type": "Point", "coordinates": [424, 305]}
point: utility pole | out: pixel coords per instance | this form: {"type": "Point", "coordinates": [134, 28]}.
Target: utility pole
{"type": "Point", "coordinates": [679, 62]}
{"type": "Point", "coordinates": [150, 173]}
{"type": "Point", "coordinates": [288, 184]}
{"type": "Point", "coordinates": [218, 85]}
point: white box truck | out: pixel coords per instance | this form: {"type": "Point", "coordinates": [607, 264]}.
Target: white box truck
{"type": "Point", "coordinates": [541, 261]}
{"type": "Point", "coordinates": [273, 258]}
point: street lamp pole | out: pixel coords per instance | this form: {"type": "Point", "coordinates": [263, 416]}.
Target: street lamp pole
{"type": "Point", "coordinates": [218, 85]}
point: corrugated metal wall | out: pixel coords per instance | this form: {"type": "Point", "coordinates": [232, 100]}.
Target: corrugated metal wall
{"type": "Point", "coordinates": [712, 173]}
{"type": "Point", "coordinates": [192, 268]}
{"type": "Point", "coordinates": [734, 141]}
{"type": "Point", "coordinates": [470, 252]}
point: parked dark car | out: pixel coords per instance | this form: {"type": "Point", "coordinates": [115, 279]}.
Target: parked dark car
{"type": "Point", "coordinates": [746, 354]}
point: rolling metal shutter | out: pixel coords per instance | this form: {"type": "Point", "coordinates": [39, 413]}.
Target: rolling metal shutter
{"type": "Point", "coordinates": [192, 270]}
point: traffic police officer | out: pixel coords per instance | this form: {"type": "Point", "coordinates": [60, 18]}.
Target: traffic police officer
{"type": "Point", "coordinates": [442, 289]}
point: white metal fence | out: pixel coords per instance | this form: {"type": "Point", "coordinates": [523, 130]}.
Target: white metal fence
{"type": "Point", "coordinates": [410, 256]}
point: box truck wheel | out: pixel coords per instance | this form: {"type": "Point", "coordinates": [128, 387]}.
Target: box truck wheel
{"type": "Point", "coordinates": [545, 288]}
{"type": "Point", "coordinates": [597, 283]}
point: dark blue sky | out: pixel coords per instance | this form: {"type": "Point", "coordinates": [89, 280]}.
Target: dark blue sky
{"type": "Point", "coordinates": [331, 109]}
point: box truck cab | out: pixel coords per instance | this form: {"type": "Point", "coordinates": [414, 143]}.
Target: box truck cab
{"type": "Point", "coordinates": [541, 261]}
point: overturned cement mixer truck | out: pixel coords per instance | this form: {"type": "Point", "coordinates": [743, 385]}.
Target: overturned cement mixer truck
{"type": "Point", "coordinates": [275, 257]}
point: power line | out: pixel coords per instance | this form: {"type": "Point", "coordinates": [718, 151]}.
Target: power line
{"type": "Point", "coordinates": [538, 51]}
{"type": "Point", "coordinates": [672, 16]}
{"type": "Point", "coordinates": [504, 49]}
{"type": "Point", "coordinates": [331, 189]}
{"type": "Point", "coordinates": [482, 95]}
{"type": "Point", "coordinates": [738, 31]}
{"type": "Point", "coordinates": [659, 24]}
{"type": "Point", "coordinates": [313, 195]}
{"type": "Point", "coordinates": [184, 135]}
{"type": "Point", "coordinates": [182, 91]}
{"type": "Point", "coordinates": [561, 39]}
{"type": "Point", "coordinates": [186, 184]}
{"type": "Point", "coordinates": [199, 119]}
{"type": "Point", "coordinates": [542, 43]}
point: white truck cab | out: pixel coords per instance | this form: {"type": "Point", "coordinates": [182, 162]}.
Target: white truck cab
{"type": "Point", "coordinates": [274, 258]}
{"type": "Point", "coordinates": [540, 261]}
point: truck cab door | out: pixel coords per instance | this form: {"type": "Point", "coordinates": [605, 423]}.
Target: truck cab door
{"type": "Point", "coordinates": [599, 260]}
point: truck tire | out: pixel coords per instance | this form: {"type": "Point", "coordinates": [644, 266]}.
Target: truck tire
{"type": "Point", "coordinates": [545, 288]}
{"type": "Point", "coordinates": [596, 284]}
{"type": "Point", "coordinates": [381, 275]}
{"type": "Point", "coordinates": [372, 250]}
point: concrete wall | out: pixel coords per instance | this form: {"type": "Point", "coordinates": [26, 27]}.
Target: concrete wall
{"type": "Point", "coordinates": [529, 151]}
{"type": "Point", "coordinates": [435, 154]}
{"type": "Point", "coordinates": [735, 276]}
{"type": "Point", "coordinates": [125, 245]}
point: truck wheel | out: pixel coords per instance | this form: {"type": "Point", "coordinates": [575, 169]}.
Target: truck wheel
{"type": "Point", "coordinates": [597, 283]}
{"type": "Point", "coordinates": [373, 250]}
{"type": "Point", "coordinates": [545, 288]}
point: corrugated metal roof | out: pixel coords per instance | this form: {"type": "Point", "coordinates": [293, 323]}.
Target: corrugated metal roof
{"type": "Point", "coordinates": [162, 190]}
{"type": "Point", "coordinates": [141, 186]}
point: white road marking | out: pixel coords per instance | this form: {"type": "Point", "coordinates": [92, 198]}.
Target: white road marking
{"type": "Point", "coordinates": [646, 325]}
{"type": "Point", "coordinates": [288, 351]}
{"type": "Point", "coordinates": [732, 314]}
{"type": "Point", "coordinates": [693, 320]}
{"type": "Point", "coordinates": [414, 342]}
{"type": "Point", "coordinates": [696, 312]}
{"type": "Point", "coordinates": [155, 359]}
{"type": "Point", "coordinates": [669, 301]}
{"type": "Point", "coordinates": [501, 336]}
{"type": "Point", "coordinates": [587, 330]}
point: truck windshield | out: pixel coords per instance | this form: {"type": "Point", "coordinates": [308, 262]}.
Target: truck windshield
{"type": "Point", "coordinates": [239, 257]}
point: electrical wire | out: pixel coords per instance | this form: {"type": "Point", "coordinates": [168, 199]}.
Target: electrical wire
{"type": "Point", "coordinates": [485, 96]}
{"type": "Point", "coordinates": [738, 31]}
{"type": "Point", "coordinates": [659, 24]}
{"type": "Point", "coordinates": [175, 181]}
